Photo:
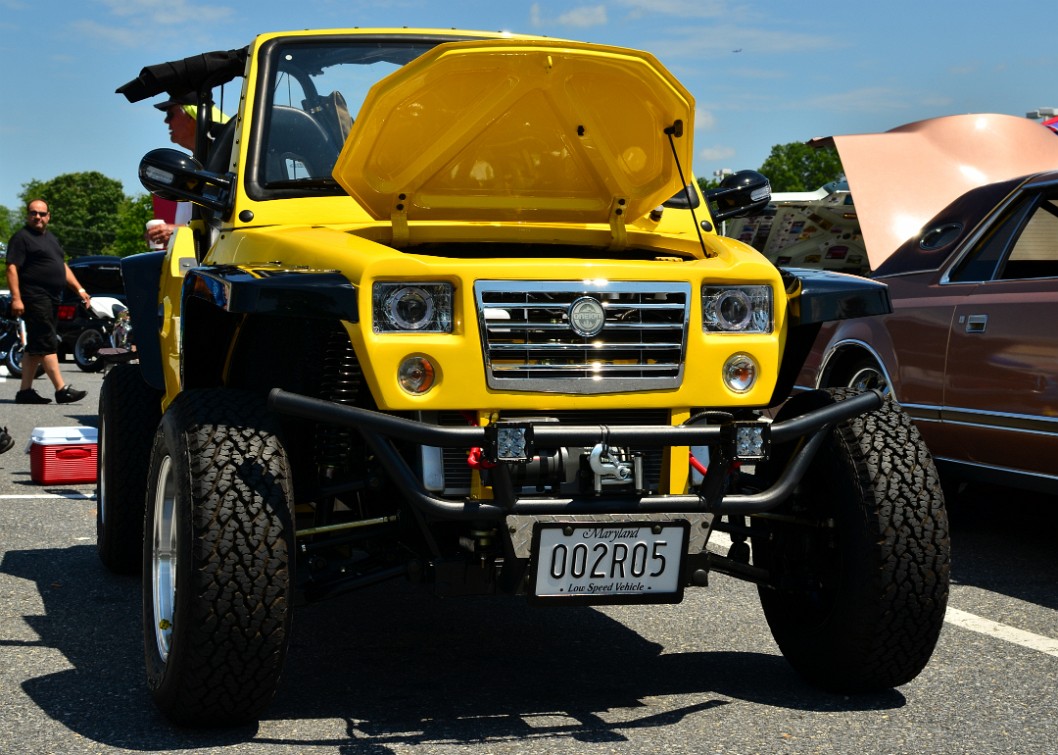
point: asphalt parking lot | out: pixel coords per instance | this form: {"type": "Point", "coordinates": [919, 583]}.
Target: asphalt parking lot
{"type": "Point", "coordinates": [395, 670]}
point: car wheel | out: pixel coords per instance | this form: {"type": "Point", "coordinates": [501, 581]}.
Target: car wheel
{"type": "Point", "coordinates": [859, 558]}
{"type": "Point", "coordinates": [217, 580]}
{"type": "Point", "coordinates": [129, 411]}
{"type": "Point", "coordinates": [86, 350]}
{"type": "Point", "coordinates": [866, 375]}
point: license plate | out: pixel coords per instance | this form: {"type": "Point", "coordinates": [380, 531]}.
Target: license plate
{"type": "Point", "coordinates": [610, 563]}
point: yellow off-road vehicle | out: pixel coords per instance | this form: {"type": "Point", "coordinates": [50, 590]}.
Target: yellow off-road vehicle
{"type": "Point", "coordinates": [453, 309]}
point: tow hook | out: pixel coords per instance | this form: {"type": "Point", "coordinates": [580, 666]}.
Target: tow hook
{"type": "Point", "coordinates": [615, 467]}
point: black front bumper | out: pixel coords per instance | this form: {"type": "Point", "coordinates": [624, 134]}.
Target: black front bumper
{"type": "Point", "coordinates": [380, 430]}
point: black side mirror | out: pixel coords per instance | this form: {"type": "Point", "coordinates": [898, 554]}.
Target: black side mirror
{"type": "Point", "coordinates": [171, 174]}
{"type": "Point", "coordinates": [739, 194]}
{"type": "Point", "coordinates": [687, 199]}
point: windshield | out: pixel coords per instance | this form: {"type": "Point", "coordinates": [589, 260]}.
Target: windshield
{"type": "Point", "coordinates": [309, 93]}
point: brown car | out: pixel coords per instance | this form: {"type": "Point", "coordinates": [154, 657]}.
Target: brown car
{"type": "Point", "coordinates": [971, 348]}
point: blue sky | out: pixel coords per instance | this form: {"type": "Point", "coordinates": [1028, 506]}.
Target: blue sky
{"type": "Point", "coordinates": [763, 73]}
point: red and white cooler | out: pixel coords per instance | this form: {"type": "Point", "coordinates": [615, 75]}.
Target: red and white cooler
{"type": "Point", "coordinates": [60, 455]}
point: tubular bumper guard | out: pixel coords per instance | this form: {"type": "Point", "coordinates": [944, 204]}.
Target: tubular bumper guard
{"type": "Point", "coordinates": [380, 429]}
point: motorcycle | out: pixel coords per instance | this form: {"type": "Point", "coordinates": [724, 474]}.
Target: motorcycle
{"type": "Point", "coordinates": [12, 339]}
{"type": "Point", "coordinates": [84, 330]}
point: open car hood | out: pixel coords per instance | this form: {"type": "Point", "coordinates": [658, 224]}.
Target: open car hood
{"type": "Point", "coordinates": [506, 130]}
{"type": "Point", "coordinates": [903, 177]}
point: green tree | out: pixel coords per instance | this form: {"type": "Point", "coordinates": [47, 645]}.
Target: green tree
{"type": "Point", "coordinates": [705, 184]}
{"type": "Point", "coordinates": [10, 221]}
{"type": "Point", "coordinates": [798, 167]}
{"type": "Point", "coordinates": [133, 214]}
{"type": "Point", "coordinates": [84, 209]}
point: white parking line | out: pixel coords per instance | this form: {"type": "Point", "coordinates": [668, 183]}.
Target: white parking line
{"type": "Point", "coordinates": [1001, 631]}
{"type": "Point", "coordinates": [68, 496]}
{"type": "Point", "coordinates": [962, 619]}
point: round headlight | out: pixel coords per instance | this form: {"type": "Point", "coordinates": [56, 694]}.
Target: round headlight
{"type": "Point", "coordinates": [734, 310]}
{"type": "Point", "coordinates": [740, 373]}
{"type": "Point", "coordinates": [416, 374]}
{"type": "Point", "coordinates": [409, 308]}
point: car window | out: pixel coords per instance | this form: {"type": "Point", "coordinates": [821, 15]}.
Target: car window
{"type": "Point", "coordinates": [1035, 252]}
{"type": "Point", "coordinates": [984, 259]}
{"type": "Point", "coordinates": [310, 96]}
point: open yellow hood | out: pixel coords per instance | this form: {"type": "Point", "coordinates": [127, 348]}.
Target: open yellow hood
{"type": "Point", "coordinates": [510, 130]}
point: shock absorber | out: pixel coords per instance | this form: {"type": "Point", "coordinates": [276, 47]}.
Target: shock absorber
{"type": "Point", "coordinates": [340, 381]}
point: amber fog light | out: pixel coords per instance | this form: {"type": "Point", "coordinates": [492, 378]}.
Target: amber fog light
{"type": "Point", "coordinates": [740, 373]}
{"type": "Point", "coordinates": [416, 374]}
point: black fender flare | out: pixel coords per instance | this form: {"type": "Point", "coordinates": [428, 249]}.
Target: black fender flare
{"type": "Point", "coordinates": [816, 297]}
{"type": "Point", "coordinates": [234, 290]}
{"type": "Point", "coordinates": [323, 294]}
{"type": "Point", "coordinates": [219, 300]}
{"type": "Point", "coordinates": [141, 275]}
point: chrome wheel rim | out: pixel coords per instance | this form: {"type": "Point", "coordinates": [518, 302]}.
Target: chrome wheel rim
{"type": "Point", "coordinates": [869, 378]}
{"type": "Point", "coordinates": [164, 558]}
{"type": "Point", "coordinates": [102, 503]}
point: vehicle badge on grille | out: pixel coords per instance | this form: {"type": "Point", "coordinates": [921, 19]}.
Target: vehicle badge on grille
{"type": "Point", "coordinates": [586, 317]}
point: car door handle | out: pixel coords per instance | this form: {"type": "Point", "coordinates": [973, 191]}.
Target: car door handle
{"type": "Point", "coordinates": [976, 323]}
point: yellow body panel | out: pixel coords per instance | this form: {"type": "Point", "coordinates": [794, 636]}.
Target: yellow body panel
{"type": "Point", "coordinates": [548, 159]}
{"type": "Point", "coordinates": [178, 259]}
{"type": "Point", "coordinates": [458, 355]}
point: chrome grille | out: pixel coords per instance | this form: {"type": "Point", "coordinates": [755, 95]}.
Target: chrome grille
{"type": "Point", "coordinates": [530, 344]}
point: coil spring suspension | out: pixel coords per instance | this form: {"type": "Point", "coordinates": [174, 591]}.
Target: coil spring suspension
{"type": "Point", "coordinates": [340, 381]}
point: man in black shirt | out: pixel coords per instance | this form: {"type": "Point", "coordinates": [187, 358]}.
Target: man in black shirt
{"type": "Point", "coordinates": [36, 274]}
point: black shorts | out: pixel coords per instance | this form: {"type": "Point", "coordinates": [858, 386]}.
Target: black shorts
{"type": "Point", "coordinates": [41, 317]}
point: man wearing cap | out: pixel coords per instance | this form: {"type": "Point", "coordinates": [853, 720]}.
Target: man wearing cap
{"type": "Point", "coordinates": [36, 274]}
{"type": "Point", "coordinates": [181, 116]}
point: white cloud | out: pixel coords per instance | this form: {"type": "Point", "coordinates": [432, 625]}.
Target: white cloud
{"type": "Point", "coordinates": [751, 46]}
{"type": "Point", "coordinates": [865, 100]}
{"type": "Point", "coordinates": [679, 8]}
{"type": "Point", "coordinates": [716, 153]}
{"type": "Point", "coordinates": [704, 120]}
{"type": "Point", "coordinates": [582, 17]}
{"type": "Point", "coordinates": [145, 23]}
{"type": "Point", "coordinates": [110, 34]}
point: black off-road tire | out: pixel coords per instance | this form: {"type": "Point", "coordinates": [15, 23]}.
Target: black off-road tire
{"type": "Point", "coordinates": [860, 562]}
{"type": "Point", "coordinates": [129, 412]}
{"type": "Point", "coordinates": [217, 559]}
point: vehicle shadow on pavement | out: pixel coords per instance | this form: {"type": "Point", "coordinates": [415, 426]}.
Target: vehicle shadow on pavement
{"type": "Point", "coordinates": [1006, 548]}
{"type": "Point", "coordinates": [397, 667]}
{"type": "Point", "coordinates": [428, 671]}
{"type": "Point", "coordinates": [92, 618]}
